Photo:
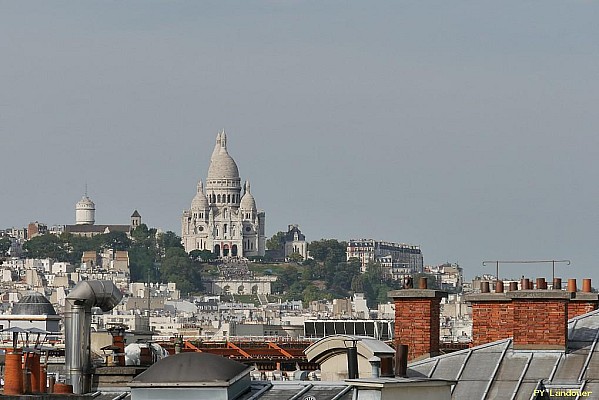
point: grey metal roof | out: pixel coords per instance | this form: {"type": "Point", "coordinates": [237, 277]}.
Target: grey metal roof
{"type": "Point", "coordinates": [33, 303]}
{"type": "Point", "coordinates": [497, 371]}
{"type": "Point", "coordinates": [287, 390]}
{"type": "Point", "coordinates": [192, 368]}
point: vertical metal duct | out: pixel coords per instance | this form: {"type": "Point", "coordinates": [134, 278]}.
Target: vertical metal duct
{"type": "Point", "coordinates": [401, 360]}
{"type": "Point", "coordinates": [352, 362]}
{"type": "Point", "coordinates": [79, 302]}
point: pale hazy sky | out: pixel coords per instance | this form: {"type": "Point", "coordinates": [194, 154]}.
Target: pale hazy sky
{"type": "Point", "coordinates": [469, 128]}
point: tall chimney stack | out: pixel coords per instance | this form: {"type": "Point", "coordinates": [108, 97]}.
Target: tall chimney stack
{"type": "Point", "coordinates": [582, 302]}
{"type": "Point", "coordinates": [418, 320]}
{"type": "Point", "coordinates": [492, 317]}
{"type": "Point", "coordinates": [540, 319]}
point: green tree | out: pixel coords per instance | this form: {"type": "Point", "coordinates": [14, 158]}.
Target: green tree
{"type": "Point", "coordinates": [142, 265]}
{"type": "Point", "coordinates": [117, 241]}
{"type": "Point", "coordinates": [46, 246]}
{"type": "Point", "coordinates": [357, 284]}
{"type": "Point", "coordinates": [202, 255]}
{"type": "Point", "coordinates": [330, 251]}
{"type": "Point", "coordinates": [4, 245]}
{"type": "Point", "coordinates": [168, 240]}
{"type": "Point", "coordinates": [179, 268]}
{"type": "Point", "coordinates": [276, 242]}
{"type": "Point", "coordinates": [141, 233]}
{"type": "Point", "coordinates": [296, 257]}
{"type": "Point", "coordinates": [143, 255]}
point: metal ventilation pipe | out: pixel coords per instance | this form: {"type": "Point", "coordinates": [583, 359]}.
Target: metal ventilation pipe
{"type": "Point", "coordinates": [79, 302]}
{"type": "Point", "coordinates": [401, 360]}
{"type": "Point", "coordinates": [352, 358]}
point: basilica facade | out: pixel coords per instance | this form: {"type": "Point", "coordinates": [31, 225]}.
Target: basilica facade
{"type": "Point", "coordinates": [222, 219]}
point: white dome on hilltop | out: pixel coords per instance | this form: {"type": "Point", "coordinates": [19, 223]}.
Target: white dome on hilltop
{"type": "Point", "coordinates": [222, 165]}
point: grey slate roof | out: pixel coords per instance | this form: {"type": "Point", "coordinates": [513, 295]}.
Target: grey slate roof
{"type": "Point", "coordinates": [497, 371]}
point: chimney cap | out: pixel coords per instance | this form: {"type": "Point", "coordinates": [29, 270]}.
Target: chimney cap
{"type": "Point", "coordinates": [482, 297]}
{"type": "Point", "coordinates": [417, 293]}
{"type": "Point", "coordinates": [540, 295]}
{"type": "Point", "coordinates": [584, 296]}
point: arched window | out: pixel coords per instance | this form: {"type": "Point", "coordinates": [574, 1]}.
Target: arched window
{"type": "Point", "coordinates": [225, 228]}
{"type": "Point", "coordinates": [218, 198]}
{"type": "Point", "coordinates": [228, 198]}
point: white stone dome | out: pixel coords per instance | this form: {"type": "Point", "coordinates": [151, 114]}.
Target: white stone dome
{"type": "Point", "coordinates": [222, 165]}
{"type": "Point", "coordinates": [247, 201]}
{"type": "Point", "coordinates": [199, 202]}
{"type": "Point", "coordinates": [85, 202]}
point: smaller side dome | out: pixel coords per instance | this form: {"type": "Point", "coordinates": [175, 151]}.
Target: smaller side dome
{"type": "Point", "coordinates": [247, 201]}
{"type": "Point", "coordinates": [33, 303]}
{"type": "Point", "coordinates": [199, 202]}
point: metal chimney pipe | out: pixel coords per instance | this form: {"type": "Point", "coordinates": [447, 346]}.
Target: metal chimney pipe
{"type": "Point", "coordinates": [387, 370]}
{"type": "Point", "coordinates": [352, 362]}
{"type": "Point", "coordinates": [401, 360]}
{"type": "Point", "coordinates": [484, 287]}
{"type": "Point", "coordinates": [77, 319]}
{"type": "Point", "coordinates": [586, 286]}
{"type": "Point", "coordinates": [557, 283]}
{"type": "Point", "coordinates": [540, 283]}
{"type": "Point", "coordinates": [422, 283]}
{"type": "Point", "coordinates": [499, 286]}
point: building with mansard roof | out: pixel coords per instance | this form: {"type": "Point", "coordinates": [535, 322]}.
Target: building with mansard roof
{"type": "Point", "coordinates": [221, 218]}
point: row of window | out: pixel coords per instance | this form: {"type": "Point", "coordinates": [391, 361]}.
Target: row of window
{"type": "Point", "coordinates": [224, 199]}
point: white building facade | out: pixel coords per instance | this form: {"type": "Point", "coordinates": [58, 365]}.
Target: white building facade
{"type": "Point", "coordinates": [397, 259]}
{"type": "Point", "coordinates": [220, 218]}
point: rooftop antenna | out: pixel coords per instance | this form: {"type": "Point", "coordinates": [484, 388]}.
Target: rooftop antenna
{"type": "Point", "coordinates": [553, 262]}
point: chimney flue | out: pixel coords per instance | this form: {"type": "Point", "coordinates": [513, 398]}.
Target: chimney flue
{"type": "Point", "coordinates": [401, 360]}
{"type": "Point", "coordinates": [513, 286]}
{"type": "Point", "coordinates": [524, 283]}
{"type": "Point", "coordinates": [484, 287]}
{"type": "Point", "coordinates": [557, 283]}
{"type": "Point", "coordinates": [572, 285]}
{"type": "Point", "coordinates": [375, 363]}
{"type": "Point", "coordinates": [586, 286]}
{"type": "Point", "coordinates": [352, 361]}
{"type": "Point", "coordinates": [422, 283]}
{"type": "Point", "coordinates": [540, 283]}
{"type": "Point", "coordinates": [499, 287]}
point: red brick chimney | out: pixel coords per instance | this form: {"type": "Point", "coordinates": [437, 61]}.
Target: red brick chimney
{"type": "Point", "coordinates": [492, 317]}
{"type": "Point", "coordinates": [581, 302]}
{"type": "Point", "coordinates": [417, 320]}
{"type": "Point", "coordinates": [535, 319]}
{"type": "Point", "coordinates": [540, 319]}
